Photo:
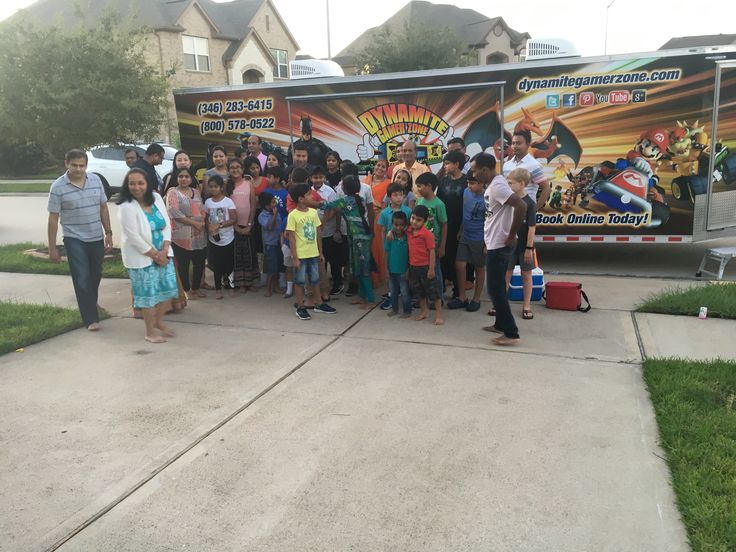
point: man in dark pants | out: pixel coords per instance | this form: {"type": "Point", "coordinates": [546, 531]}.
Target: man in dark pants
{"type": "Point", "coordinates": [154, 156]}
{"type": "Point", "coordinates": [78, 199]}
{"type": "Point", "coordinates": [504, 214]}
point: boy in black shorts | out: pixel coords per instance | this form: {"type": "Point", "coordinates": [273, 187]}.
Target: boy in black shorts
{"type": "Point", "coordinates": [422, 262]}
{"type": "Point", "coordinates": [524, 254]}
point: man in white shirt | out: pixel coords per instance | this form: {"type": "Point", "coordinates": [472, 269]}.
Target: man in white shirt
{"type": "Point", "coordinates": [520, 142]}
{"type": "Point", "coordinates": [410, 163]}
{"type": "Point", "coordinates": [504, 214]}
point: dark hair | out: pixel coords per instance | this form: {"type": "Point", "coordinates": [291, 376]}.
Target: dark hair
{"type": "Point", "coordinates": [525, 134]}
{"type": "Point", "coordinates": [428, 178]}
{"type": "Point", "coordinates": [394, 187]}
{"type": "Point", "coordinates": [155, 149]}
{"type": "Point", "coordinates": [126, 196]}
{"type": "Point", "coordinates": [127, 151]}
{"type": "Point", "coordinates": [409, 183]}
{"type": "Point", "coordinates": [351, 187]}
{"type": "Point", "coordinates": [421, 211]}
{"type": "Point", "coordinates": [173, 177]}
{"type": "Point", "coordinates": [456, 158]}
{"type": "Point", "coordinates": [318, 170]}
{"type": "Point", "coordinates": [274, 171]}
{"type": "Point", "coordinates": [484, 160]}
{"type": "Point", "coordinates": [471, 177]}
{"type": "Point", "coordinates": [265, 199]}
{"type": "Point", "coordinates": [75, 154]}
{"type": "Point", "coordinates": [218, 148]}
{"type": "Point", "coordinates": [299, 175]}
{"type": "Point", "coordinates": [399, 215]}
{"type": "Point", "coordinates": [217, 180]}
{"type": "Point", "coordinates": [456, 140]}
{"type": "Point", "coordinates": [333, 153]}
{"type": "Point", "coordinates": [177, 154]}
{"type": "Point", "coordinates": [301, 146]}
{"type": "Point", "coordinates": [230, 185]}
{"type": "Point", "coordinates": [250, 161]}
{"type": "Point", "coordinates": [299, 190]}
{"type": "Point", "coordinates": [240, 151]}
{"type": "Point", "coordinates": [348, 168]}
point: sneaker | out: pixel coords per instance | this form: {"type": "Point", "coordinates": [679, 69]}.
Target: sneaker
{"type": "Point", "coordinates": [457, 303]}
{"type": "Point", "coordinates": [288, 294]}
{"type": "Point", "coordinates": [472, 306]}
{"type": "Point", "coordinates": [302, 314]}
{"type": "Point", "coordinates": [386, 304]}
{"type": "Point", "coordinates": [385, 296]}
{"type": "Point", "coordinates": [324, 308]}
{"type": "Point", "coordinates": [336, 290]}
{"type": "Point", "coordinates": [352, 290]}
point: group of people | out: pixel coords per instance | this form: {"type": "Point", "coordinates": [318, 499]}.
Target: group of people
{"type": "Point", "coordinates": [308, 231]}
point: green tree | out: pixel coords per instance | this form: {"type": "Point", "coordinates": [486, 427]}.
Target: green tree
{"type": "Point", "coordinates": [416, 48]}
{"type": "Point", "coordinates": [63, 88]}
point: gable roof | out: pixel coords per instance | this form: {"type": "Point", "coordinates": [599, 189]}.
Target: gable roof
{"type": "Point", "coordinates": [702, 40]}
{"type": "Point", "coordinates": [470, 26]}
{"type": "Point", "coordinates": [231, 20]}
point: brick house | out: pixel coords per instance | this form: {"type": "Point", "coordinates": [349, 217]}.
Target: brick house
{"type": "Point", "coordinates": [208, 43]}
{"type": "Point", "coordinates": [487, 39]}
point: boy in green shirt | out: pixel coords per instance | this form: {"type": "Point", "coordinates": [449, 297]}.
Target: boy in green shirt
{"type": "Point", "coordinates": [437, 222]}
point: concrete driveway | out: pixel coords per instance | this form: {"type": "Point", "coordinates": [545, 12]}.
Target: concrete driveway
{"type": "Point", "coordinates": [253, 430]}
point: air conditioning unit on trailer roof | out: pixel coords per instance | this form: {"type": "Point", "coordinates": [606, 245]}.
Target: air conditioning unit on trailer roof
{"type": "Point", "coordinates": [546, 48]}
{"type": "Point", "coordinates": [314, 68]}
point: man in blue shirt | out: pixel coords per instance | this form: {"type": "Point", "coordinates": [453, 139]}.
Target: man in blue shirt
{"type": "Point", "coordinates": [78, 200]}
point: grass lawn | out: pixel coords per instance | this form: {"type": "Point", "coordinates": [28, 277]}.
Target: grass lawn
{"type": "Point", "coordinates": [24, 187]}
{"type": "Point", "coordinates": [719, 298]}
{"type": "Point", "coordinates": [24, 324]}
{"type": "Point", "coordinates": [12, 259]}
{"type": "Point", "coordinates": [695, 404]}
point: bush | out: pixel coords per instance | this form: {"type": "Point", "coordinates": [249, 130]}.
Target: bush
{"type": "Point", "coordinates": [22, 159]}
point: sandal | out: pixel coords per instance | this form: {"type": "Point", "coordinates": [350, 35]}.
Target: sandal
{"type": "Point", "coordinates": [527, 315]}
{"type": "Point", "coordinates": [492, 312]}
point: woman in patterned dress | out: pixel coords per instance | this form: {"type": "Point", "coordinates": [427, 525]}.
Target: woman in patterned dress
{"type": "Point", "coordinates": [147, 253]}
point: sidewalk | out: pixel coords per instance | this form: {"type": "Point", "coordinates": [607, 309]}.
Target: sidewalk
{"type": "Point", "coordinates": [253, 430]}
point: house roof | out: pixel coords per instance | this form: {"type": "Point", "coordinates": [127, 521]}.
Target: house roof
{"type": "Point", "coordinates": [232, 20]}
{"type": "Point", "coordinates": [471, 26]}
{"type": "Point", "coordinates": [702, 40]}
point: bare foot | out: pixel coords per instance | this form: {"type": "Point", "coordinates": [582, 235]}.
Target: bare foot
{"type": "Point", "coordinates": [268, 293]}
{"type": "Point", "coordinates": [244, 289]}
{"type": "Point", "coordinates": [366, 306]}
{"type": "Point", "coordinates": [438, 321]}
{"type": "Point", "coordinates": [155, 339]}
{"type": "Point", "coordinates": [356, 302]}
{"type": "Point", "coordinates": [391, 313]}
{"type": "Point", "coordinates": [200, 293]}
{"type": "Point", "coordinates": [405, 316]}
{"type": "Point", "coordinates": [192, 296]}
{"type": "Point", "coordinates": [421, 316]}
{"type": "Point", "coordinates": [94, 327]}
{"type": "Point", "coordinates": [219, 295]}
{"type": "Point", "coordinates": [166, 331]}
{"type": "Point", "coordinates": [232, 293]}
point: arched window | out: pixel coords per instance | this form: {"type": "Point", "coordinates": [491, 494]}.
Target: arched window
{"type": "Point", "coordinates": [252, 76]}
{"type": "Point", "coordinates": [497, 57]}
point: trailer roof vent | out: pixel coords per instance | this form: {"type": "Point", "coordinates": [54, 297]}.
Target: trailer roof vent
{"type": "Point", "coordinates": [546, 48]}
{"type": "Point", "coordinates": [314, 68]}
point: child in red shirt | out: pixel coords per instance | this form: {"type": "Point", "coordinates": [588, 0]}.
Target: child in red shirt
{"type": "Point", "coordinates": [422, 260]}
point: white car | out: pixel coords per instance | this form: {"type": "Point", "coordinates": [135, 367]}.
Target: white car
{"type": "Point", "coordinates": [108, 162]}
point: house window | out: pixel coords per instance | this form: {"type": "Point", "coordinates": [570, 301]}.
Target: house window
{"type": "Point", "coordinates": [281, 69]}
{"type": "Point", "coordinates": [196, 53]}
{"type": "Point", "coordinates": [497, 57]}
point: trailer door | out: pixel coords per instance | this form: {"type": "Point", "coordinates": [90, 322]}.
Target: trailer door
{"type": "Point", "coordinates": [715, 214]}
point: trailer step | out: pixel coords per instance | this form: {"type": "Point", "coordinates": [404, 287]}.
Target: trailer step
{"type": "Point", "coordinates": [720, 255]}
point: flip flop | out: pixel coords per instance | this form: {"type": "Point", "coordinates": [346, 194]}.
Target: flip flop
{"type": "Point", "coordinates": [527, 315]}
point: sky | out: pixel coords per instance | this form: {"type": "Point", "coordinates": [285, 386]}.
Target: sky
{"type": "Point", "coordinates": [633, 25]}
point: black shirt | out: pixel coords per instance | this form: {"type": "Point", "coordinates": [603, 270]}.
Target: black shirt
{"type": "Point", "coordinates": [530, 219]}
{"type": "Point", "coordinates": [451, 193]}
{"type": "Point", "coordinates": [155, 182]}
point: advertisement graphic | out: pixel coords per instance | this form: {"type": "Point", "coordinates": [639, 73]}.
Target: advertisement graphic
{"type": "Point", "coordinates": [625, 143]}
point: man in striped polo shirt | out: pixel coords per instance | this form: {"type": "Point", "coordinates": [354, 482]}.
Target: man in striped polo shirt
{"type": "Point", "coordinates": [522, 159]}
{"type": "Point", "coordinates": [78, 199]}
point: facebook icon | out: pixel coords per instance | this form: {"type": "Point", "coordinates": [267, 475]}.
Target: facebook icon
{"type": "Point", "coordinates": [569, 100]}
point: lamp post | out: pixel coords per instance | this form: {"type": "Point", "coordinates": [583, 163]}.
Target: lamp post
{"type": "Point", "coordinates": [605, 40]}
{"type": "Point", "coordinates": [329, 49]}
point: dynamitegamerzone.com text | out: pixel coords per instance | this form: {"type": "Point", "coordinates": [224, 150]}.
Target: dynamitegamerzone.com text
{"type": "Point", "coordinates": [610, 79]}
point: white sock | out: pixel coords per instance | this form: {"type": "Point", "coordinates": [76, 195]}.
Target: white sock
{"type": "Point", "coordinates": [289, 287]}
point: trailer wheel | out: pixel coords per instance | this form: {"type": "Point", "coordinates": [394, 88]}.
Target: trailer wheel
{"type": "Point", "coordinates": [105, 185]}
